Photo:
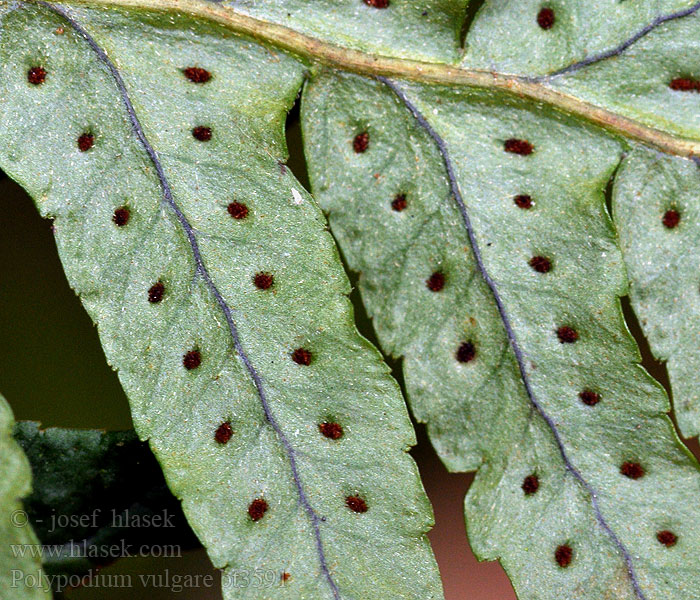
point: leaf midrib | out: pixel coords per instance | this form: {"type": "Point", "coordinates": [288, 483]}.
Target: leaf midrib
{"type": "Point", "coordinates": [202, 271]}
{"type": "Point", "coordinates": [373, 65]}
{"type": "Point", "coordinates": [512, 338]}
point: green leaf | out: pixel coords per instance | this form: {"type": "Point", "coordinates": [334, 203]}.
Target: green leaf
{"type": "Point", "coordinates": [516, 356]}
{"type": "Point", "coordinates": [470, 195]}
{"type": "Point", "coordinates": [21, 576]}
{"type": "Point", "coordinates": [655, 204]}
{"type": "Point", "coordinates": [111, 132]}
{"type": "Point", "coordinates": [576, 31]}
{"type": "Point", "coordinates": [637, 83]}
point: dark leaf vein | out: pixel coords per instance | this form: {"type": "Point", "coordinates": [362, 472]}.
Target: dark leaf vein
{"type": "Point", "coordinates": [619, 49]}
{"type": "Point", "coordinates": [510, 333]}
{"type": "Point", "coordinates": [202, 271]}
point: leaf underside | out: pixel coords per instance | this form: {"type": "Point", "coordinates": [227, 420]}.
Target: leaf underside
{"type": "Point", "coordinates": [478, 412]}
{"type": "Point", "coordinates": [123, 84]}
{"type": "Point", "coordinates": [487, 259]}
{"type": "Point", "coordinates": [655, 203]}
{"type": "Point", "coordinates": [551, 424]}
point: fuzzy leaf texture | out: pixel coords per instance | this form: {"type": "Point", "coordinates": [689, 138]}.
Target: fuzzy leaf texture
{"type": "Point", "coordinates": [218, 295]}
{"type": "Point", "coordinates": [486, 257]}
{"type": "Point", "coordinates": [468, 189]}
{"type": "Point", "coordinates": [21, 576]}
{"type": "Point", "coordinates": [656, 206]}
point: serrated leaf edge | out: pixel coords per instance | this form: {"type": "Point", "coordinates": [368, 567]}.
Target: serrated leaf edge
{"type": "Point", "coordinates": [202, 271]}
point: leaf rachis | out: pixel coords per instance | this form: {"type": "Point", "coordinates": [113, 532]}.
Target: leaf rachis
{"type": "Point", "coordinates": [373, 65]}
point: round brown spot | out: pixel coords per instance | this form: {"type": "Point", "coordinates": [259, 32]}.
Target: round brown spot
{"type": "Point", "coordinates": [201, 133]}
{"type": "Point", "coordinates": [667, 538]}
{"type": "Point", "coordinates": [466, 352]}
{"type": "Point", "coordinates": [155, 292]}
{"type": "Point", "coordinates": [435, 282]}
{"type": "Point", "coordinates": [567, 335]}
{"type": "Point", "coordinates": [546, 18]}
{"type": "Point", "coordinates": [589, 398]}
{"type": "Point", "coordinates": [671, 219]}
{"type": "Point", "coordinates": [523, 201]}
{"type": "Point", "coordinates": [516, 146]}
{"type": "Point", "coordinates": [285, 577]}
{"type": "Point", "coordinates": [263, 281]}
{"type": "Point", "coordinates": [356, 504]}
{"type": "Point", "coordinates": [36, 75]}
{"type": "Point", "coordinates": [85, 142]}
{"type": "Point", "coordinates": [531, 484]}
{"type": "Point", "coordinates": [377, 3]}
{"type": "Point", "coordinates": [197, 74]}
{"type": "Point", "coordinates": [192, 360]}
{"type": "Point", "coordinates": [333, 431]}
{"type": "Point", "coordinates": [685, 84]}
{"type": "Point", "coordinates": [237, 210]}
{"type": "Point", "coordinates": [633, 470]}
{"type": "Point", "coordinates": [541, 264]}
{"type": "Point", "coordinates": [257, 509]}
{"type": "Point", "coordinates": [361, 142]}
{"type": "Point", "coordinates": [399, 202]}
{"type": "Point", "coordinates": [223, 433]}
{"type": "Point", "coordinates": [563, 555]}
{"type": "Point", "coordinates": [302, 356]}
{"type": "Point", "coordinates": [121, 216]}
